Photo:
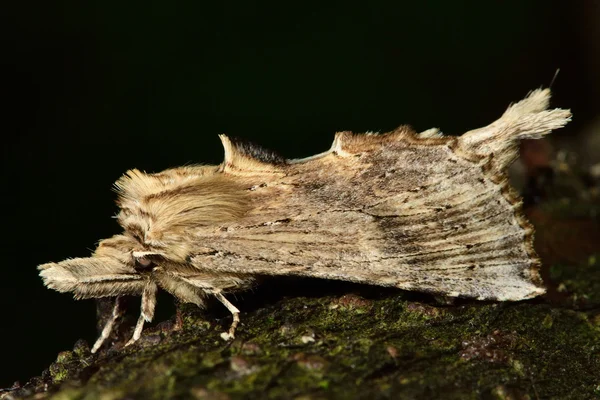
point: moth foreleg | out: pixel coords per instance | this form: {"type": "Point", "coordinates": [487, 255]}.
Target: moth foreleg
{"type": "Point", "coordinates": [147, 311]}
{"type": "Point", "coordinates": [234, 311]}
{"type": "Point", "coordinates": [108, 327]}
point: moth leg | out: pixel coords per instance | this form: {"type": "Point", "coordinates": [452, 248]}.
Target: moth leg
{"type": "Point", "coordinates": [108, 327]}
{"type": "Point", "coordinates": [147, 311]}
{"type": "Point", "coordinates": [234, 311]}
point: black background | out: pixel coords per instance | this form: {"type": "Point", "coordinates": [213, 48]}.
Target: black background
{"type": "Point", "coordinates": [93, 89]}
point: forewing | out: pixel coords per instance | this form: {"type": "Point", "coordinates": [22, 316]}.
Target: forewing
{"type": "Point", "coordinates": [426, 213]}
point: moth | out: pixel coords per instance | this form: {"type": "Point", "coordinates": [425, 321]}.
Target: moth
{"type": "Point", "coordinates": [415, 211]}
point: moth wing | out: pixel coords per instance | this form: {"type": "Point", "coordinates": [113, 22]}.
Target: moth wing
{"type": "Point", "coordinates": [413, 217]}
{"type": "Point", "coordinates": [418, 212]}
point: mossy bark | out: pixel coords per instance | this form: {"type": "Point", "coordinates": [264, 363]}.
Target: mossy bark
{"type": "Point", "coordinates": [356, 341]}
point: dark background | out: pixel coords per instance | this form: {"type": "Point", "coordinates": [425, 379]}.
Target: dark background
{"type": "Point", "coordinates": [91, 90]}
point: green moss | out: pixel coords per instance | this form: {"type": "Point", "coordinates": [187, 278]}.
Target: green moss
{"type": "Point", "coordinates": [400, 348]}
{"type": "Point", "coordinates": [58, 373]}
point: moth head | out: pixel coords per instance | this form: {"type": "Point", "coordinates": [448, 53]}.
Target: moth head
{"type": "Point", "coordinates": [119, 267]}
{"type": "Point", "coordinates": [145, 261]}
{"type": "Point", "coordinates": [129, 252]}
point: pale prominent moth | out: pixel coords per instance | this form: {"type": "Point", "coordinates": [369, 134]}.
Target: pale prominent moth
{"type": "Point", "coordinates": [415, 211]}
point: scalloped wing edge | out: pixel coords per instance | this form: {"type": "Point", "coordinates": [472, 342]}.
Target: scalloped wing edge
{"type": "Point", "coordinates": [493, 147]}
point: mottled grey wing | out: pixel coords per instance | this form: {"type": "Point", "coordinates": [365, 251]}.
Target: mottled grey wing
{"type": "Point", "coordinates": [416, 212]}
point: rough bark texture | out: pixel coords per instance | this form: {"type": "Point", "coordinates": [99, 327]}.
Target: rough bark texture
{"type": "Point", "coordinates": [357, 341]}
